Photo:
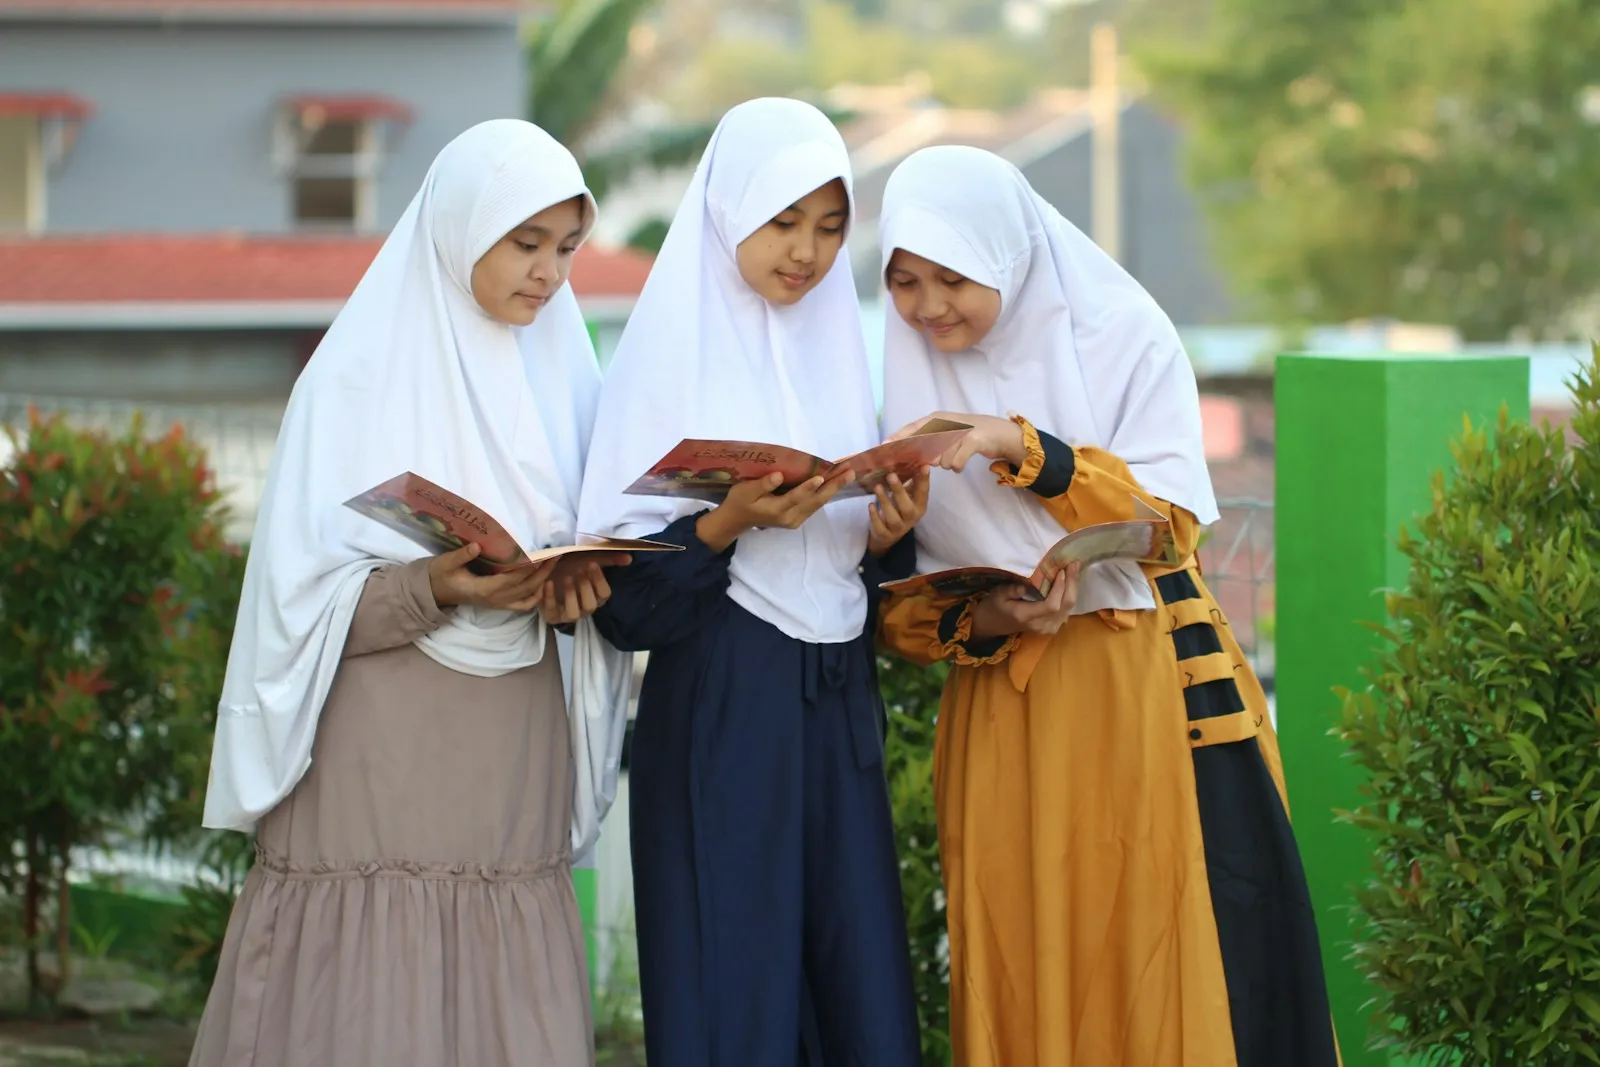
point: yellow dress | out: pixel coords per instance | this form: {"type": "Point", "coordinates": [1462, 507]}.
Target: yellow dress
{"type": "Point", "coordinates": [1122, 886]}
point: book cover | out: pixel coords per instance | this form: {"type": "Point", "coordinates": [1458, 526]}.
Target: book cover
{"type": "Point", "coordinates": [441, 521]}
{"type": "Point", "coordinates": [705, 470]}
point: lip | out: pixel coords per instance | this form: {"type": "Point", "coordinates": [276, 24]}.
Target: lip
{"type": "Point", "coordinates": [536, 301]}
{"type": "Point", "coordinates": [940, 329]}
{"type": "Point", "coordinates": [793, 281]}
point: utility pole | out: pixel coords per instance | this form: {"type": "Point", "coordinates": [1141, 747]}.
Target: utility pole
{"type": "Point", "coordinates": [1105, 104]}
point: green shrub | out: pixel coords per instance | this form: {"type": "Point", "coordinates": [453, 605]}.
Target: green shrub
{"type": "Point", "coordinates": [110, 555]}
{"type": "Point", "coordinates": [911, 695]}
{"type": "Point", "coordinates": [1480, 739]}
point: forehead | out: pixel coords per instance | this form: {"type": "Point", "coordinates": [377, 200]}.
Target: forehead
{"type": "Point", "coordinates": [826, 199]}
{"type": "Point", "coordinates": [565, 217]}
{"type": "Point", "coordinates": [912, 263]}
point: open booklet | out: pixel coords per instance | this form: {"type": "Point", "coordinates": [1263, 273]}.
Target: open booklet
{"type": "Point", "coordinates": [1147, 539]}
{"type": "Point", "coordinates": [441, 521]}
{"type": "Point", "coordinates": [706, 470]}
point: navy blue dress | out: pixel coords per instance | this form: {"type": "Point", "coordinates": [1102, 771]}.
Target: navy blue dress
{"type": "Point", "coordinates": [766, 887]}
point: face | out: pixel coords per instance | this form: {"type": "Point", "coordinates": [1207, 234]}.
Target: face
{"type": "Point", "coordinates": [786, 258]}
{"type": "Point", "coordinates": [953, 312]}
{"type": "Point", "coordinates": [522, 271]}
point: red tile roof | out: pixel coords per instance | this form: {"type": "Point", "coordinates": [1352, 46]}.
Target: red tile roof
{"type": "Point", "coordinates": [226, 268]}
{"type": "Point", "coordinates": [44, 105]}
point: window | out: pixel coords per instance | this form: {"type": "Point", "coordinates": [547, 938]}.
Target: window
{"type": "Point", "coordinates": [332, 149]}
{"type": "Point", "coordinates": [21, 174]}
{"type": "Point", "coordinates": [330, 188]}
{"type": "Point", "coordinates": [37, 132]}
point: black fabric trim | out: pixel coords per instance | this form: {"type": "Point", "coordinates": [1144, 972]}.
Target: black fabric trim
{"type": "Point", "coordinates": [1266, 927]}
{"type": "Point", "coordinates": [1198, 640]}
{"type": "Point", "coordinates": [977, 648]}
{"type": "Point", "coordinates": [1179, 585]}
{"type": "Point", "coordinates": [1060, 464]}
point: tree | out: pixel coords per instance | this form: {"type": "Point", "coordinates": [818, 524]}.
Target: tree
{"type": "Point", "coordinates": [1423, 160]}
{"type": "Point", "coordinates": [587, 64]}
{"type": "Point", "coordinates": [112, 568]}
{"type": "Point", "coordinates": [1479, 736]}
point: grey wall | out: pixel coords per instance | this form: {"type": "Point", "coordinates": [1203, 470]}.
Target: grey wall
{"type": "Point", "coordinates": [181, 136]}
{"type": "Point", "coordinates": [1164, 241]}
{"type": "Point", "coordinates": [158, 365]}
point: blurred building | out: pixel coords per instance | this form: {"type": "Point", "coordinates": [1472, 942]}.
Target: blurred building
{"type": "Point", "coordinates": [189, 190]}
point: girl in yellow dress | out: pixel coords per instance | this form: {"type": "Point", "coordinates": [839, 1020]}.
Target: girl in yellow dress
{"type": "Point", "coordinates": [1123, 888]}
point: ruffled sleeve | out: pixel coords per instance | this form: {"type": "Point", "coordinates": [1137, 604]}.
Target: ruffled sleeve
{"type": "Point", "coordinates": [1084, 486]}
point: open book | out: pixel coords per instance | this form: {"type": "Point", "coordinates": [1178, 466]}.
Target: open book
{"type": "Point", "coordinates": [706, 470]}
{"type": "Point", "coordinates": [441, 521]}
{"type": "Point", "coordinates": [1147, 539]}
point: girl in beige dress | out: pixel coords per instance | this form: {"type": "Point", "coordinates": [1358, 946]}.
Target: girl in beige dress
{"type": "Point", "coordinates": [394, 727]}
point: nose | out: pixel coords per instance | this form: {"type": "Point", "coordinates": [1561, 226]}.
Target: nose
{"type": "Point", "coordinates": [804, 250]}
{"type": "Point", "coordinates": [545, 269]}
{"type": "Point", "coordinates": [931, 304]}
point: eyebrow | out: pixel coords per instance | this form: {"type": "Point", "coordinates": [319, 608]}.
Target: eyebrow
{"type": "Point", "coordinates": [544, 231]}
{"type": "Point", "coordinates": [801, 211]}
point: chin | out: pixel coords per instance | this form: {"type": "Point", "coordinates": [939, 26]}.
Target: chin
{"type": "Point", "coordinates": [785, 297]}
{"type": "Point", "coordinates": [949, 343]}
{"type": "Point", "coordinates": [518, 315]}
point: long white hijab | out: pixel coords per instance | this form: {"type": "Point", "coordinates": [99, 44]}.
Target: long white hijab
{"type": "Point", "coordinates": [1080, 349]}
{"type": "Point", "coordinates": [704, 356]}
{"type": "Point", "coordinates": [413, 375]}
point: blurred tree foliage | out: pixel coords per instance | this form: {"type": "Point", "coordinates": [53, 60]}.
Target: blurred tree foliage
{"type": "Point", "coordinates": [835, 43]}
{"type": "Point", "coordinates": [1423, 160]}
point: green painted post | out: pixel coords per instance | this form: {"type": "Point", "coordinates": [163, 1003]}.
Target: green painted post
{"type": "Point", "coordinates": [586, 886]}
{"type": "Point", "coordinates": [1358, 441]}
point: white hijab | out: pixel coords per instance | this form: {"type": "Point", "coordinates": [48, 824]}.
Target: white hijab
{"type": "Point", "coordinates": [413, 376]}
{"type": "Point", "coordinates": [703, 356]}
{"type": "Point", "coordinates": [1080, 349]}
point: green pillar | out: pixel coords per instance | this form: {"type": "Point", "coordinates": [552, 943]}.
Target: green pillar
{"type": "Point", "coordinates": [586, 887]}
{"type": "Point", "coordinates": [1358, 441]}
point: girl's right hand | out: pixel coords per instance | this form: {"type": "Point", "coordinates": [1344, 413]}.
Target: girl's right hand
{"type": "Point", "coordinates": [1005, 611]}
{"type": "Point", "coordinates": [753, 504]}
{"type": "Point", "coordinates": [517, 590]}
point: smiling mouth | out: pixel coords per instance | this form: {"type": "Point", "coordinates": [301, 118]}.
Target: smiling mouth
{"type": "Point", "coordinates": [794, 281]}
{"type": "Point", "coordinates": [940, 328]}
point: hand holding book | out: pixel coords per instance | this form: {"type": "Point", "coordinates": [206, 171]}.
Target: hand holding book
{"type": "Point", "coordinates": [761, 503]}
{"type": "Point", "coordinates": [570, 597]}
{"type": "Point", "coordinates": [899, 506]}
{"type": "Point", "coordinates": [454, 582]}
{"type": "Point", "coordinates": [1013, 609]}
{"type": "Point", "coordinates": [991, 437]}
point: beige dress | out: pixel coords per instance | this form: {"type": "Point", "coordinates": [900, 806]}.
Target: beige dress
{"type": "Point", "coordinates": [411, 902]}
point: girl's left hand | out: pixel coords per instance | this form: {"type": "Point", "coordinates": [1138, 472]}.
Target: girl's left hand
{"type": "Point", "coordinates": [899, 507]}
{"type": "Point", "coordinates": [990, 436]}
{"type": "Point", "coordinates": [570, 597]}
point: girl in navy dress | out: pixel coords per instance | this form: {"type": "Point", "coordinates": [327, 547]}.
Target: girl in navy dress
{"type": "Point", "coordinates": [766, 886]}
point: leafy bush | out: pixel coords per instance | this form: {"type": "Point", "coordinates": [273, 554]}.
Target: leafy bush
{"type": "Point", "coordinates": [111, 557]}
{"type": "Point", "coordinates": [1480, 735]}
{"type": "Point", "coordinates": [911, 695]}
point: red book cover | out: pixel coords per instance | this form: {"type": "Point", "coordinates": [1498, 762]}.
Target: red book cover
{"type": "Point", "coordinates": [440, 521]}
{"type": "Point", "coordinates": [706, 470]}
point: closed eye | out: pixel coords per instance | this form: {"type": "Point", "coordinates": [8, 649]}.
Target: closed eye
{"type": "Point", "coordinates": [526, 247]}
